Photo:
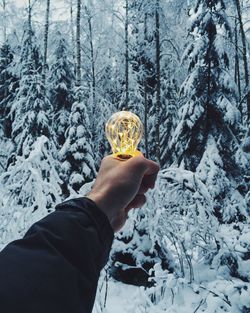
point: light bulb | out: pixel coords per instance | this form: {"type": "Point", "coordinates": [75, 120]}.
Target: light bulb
{"type": "Point", "coordinates": [124, 131]}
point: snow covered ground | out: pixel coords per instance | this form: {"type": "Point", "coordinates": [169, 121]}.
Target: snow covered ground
{"type": "Point", "coordinates": [219, 285]}
{"type": "Point", "coordinates": [212, 293]}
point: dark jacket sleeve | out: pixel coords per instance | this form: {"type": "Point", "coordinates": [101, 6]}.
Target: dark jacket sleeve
{"type": "Point", "coordinates": [55, 267]}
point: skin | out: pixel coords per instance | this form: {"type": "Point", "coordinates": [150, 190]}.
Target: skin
{"type": "Point", "coordinates": [121, 186]}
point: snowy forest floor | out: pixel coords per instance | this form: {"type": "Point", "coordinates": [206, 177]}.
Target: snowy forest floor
{"type": "Point", "coordinates": [213, 290]}
{"type": "Point", "coordinates": [209, 296]}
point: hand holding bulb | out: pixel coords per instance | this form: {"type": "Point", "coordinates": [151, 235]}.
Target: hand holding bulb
{"type": "Point", "coordinates": [121, 186]}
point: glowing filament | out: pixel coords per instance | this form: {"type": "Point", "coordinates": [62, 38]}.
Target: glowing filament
{"type": "Point", "coordinates": [124, 131]}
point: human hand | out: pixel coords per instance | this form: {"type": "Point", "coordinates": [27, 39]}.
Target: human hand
{"type": "Point", "coordinates": [121, 186]}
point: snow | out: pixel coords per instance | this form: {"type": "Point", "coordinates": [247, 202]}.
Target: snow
{"type": "Point", "coordinates": [213, 295]}
{"type": "Point", "coordinates": [30, 189]}
{"type": "Point", "coordinates": [246, 145]}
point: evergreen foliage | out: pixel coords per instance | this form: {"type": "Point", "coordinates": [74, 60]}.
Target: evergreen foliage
{"type": "Point", "coordinates": [76, 153]}
{"type": "Point", "coordinates": [8, 86]}
{"type": "Point", "coordinates": [31, 184]}
{"type": "Point", "coordinates": [30, 189]}
{"type": "Point", "coordinates": [209, 118]}
{"type": "Point", "coordinates": [31, 108]}
{"type": "Point", "coordinates": [61, 84]}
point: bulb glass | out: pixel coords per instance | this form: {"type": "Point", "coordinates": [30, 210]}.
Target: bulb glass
{"type": "Point", "coordinates": [124, 131]}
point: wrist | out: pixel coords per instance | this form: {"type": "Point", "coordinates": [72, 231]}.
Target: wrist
{"type": "Point", "coordinates": [100, 202]}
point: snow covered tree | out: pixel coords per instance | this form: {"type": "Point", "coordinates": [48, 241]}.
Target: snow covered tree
{"type": "Point", "coordinates": [45, 40]}
{"type": "Point", "coordinates": [30, 110]}
{"type": "Point", "coordinates": [244, 56]}
{"type": "Point", "coordinates": [31, 185]}
{"type": "Point", "coordinates": [61, 83]}
{"type": "Point", "coordinates": [30, 189]}
{"type": "Point", "coordinates": [76, 153]}
{"type": "Point", "coordinates": [8, 86]}
{"type": "Point", "coordinates": [31, 106]}
{"type": "Point", "coordinates": [182, 222]}
{"type": "Point", "coordinates": [154, 60]}
{"type": "Point", "coordinates": [168, 115]}
{"type": "Point", "coordinates": [134, 253]}
{"type": "Point", "coordinates": [208, 115]}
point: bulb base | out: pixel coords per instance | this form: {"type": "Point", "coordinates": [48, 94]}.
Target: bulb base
{"type": "Point", "coordinates": [124, 157]}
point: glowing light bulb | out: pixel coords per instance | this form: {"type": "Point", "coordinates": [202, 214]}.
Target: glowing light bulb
{"type": "Point", "coordinates": [124, 131]}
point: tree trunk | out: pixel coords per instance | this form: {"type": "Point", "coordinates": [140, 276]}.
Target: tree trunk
{"type": "Point", "coordinates": [46, 34]}
{"type": "Point", "coordinates": [29, 23]}
{"type": "Point", "coordinates": [158, 82]}
{"type": "Point", "coordinates": [145, 91]}
{"type": "Point", "coordinates": [237, 68]}
{"type": "Point", "coordinates": [92, 57]}
{"type": "Point", "coordinates": [72, 34]}
{"type": "Point", "coordinates": [245, 61]}
{"type": "Point", "coordinates": [29, 18]}
{"type": "Point", "coordinates": [4, 22]}
{"type": "Point", "coordinates": [126, 57]}
{"type": "Point", "coordinates": [78, 44]}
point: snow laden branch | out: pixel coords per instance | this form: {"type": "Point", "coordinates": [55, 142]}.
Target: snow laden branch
{"type": "Point", "coordinates": [180, 217]}
{"type": "Point", "coordinates": [31, 188]}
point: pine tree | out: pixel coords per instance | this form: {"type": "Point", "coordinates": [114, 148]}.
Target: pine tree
{"type": "Point", "coordinates": [45, 40]}
{"type": "Point", "coordinates": [30, 189]}
{"type": "Point", "coordinates": [8, 86]}
{"type": "Point", "coordinates": [61, 83]}
{"type": "Point", "coordinates": [208, 114]}
{"type": "Point", "coordinates": [77, 152]}
{"type": "Point", "coordinates": [168, 115]}
{"type": "Point", "coordinates": [31, 107]}
{"type": "Point", "coordinates": [31, 185]}
{"type": "Point", "coordinates": [153, 87]}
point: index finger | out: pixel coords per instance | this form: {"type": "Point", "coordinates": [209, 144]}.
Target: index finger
{"type": "Point", "coordinates": [148, 181]}
{"type": "Point", "coordinates": [143, 166]}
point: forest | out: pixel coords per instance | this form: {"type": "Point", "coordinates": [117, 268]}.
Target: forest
{"type": "Point", "coordinates": [183, 67]}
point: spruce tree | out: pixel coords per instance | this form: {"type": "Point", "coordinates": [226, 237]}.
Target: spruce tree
{"type": "Point", "coordinates": [31, 107]}
{"type": "Point", "coordinates": [30, 189]}
{"type": "Point", "coordinates": [31, 185]}
{"type": "Point", "coordinates": [77, 152]}
{"type": "Point", "coordinates": [205, 139]}
{"type": "Point", "coordinates": [8, 86]}
{"type": "Point", "coordinates": [61, 83]}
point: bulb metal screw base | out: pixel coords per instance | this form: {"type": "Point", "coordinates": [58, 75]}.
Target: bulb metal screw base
{"type": "Point", "coordinates": [124, 157]}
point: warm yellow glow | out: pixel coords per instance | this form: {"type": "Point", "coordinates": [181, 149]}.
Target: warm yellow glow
{"type": "Point", "coordinates": [124, 131]}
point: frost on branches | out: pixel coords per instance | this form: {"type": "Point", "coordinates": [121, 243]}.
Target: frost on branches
{"type": "Point", "coordinates": [76, 154]}
{"type": "Point", "coordinates": [208, 117]}
{"type": "Point", "coordinates": [8, 87]}
{"type": "Point", "coordinates": [29, 111]}
{"type": "Point", "coordinates": [61, 85]}
{"type": "Point", "coordinates": [30, 184]}
{"type": "Point", "coordinates": [181, 220]}
{"type": "Point", "coordinates": [31, 188]}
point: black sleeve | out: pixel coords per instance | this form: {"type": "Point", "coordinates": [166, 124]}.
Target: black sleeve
{"type": "Point", "coordinates": [55, 267]}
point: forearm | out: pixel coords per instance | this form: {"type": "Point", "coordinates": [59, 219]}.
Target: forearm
{"type": "Point", "coordinates": [55, 267]}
